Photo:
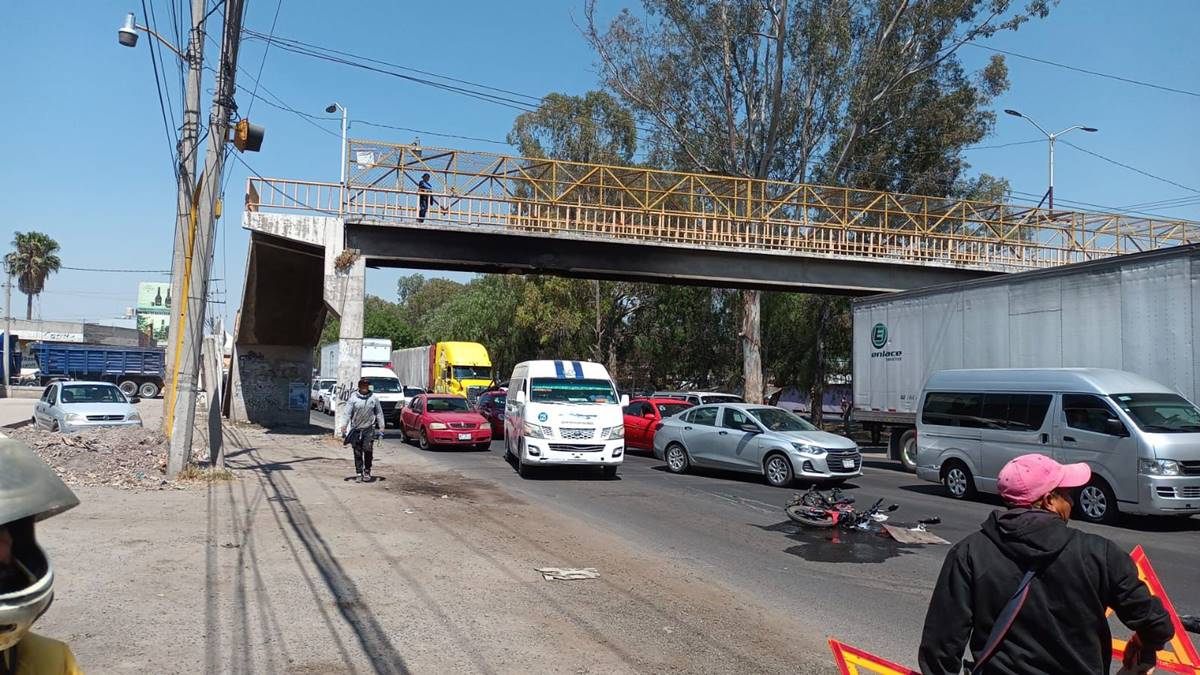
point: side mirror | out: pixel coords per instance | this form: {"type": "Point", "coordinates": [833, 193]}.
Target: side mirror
{"type": "Point", "coordinates": [134, 399]}
{"type": "Point", "coordinates": [624, 400]}
{"type": "Point", "coordinates": [751, 428]}
{"type": "Point", "coordinates": [520, 397]}
{"type": "Point", "coordinates": [1115, 428]}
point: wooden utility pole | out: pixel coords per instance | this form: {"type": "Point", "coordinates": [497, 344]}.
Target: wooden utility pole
{"type": "Point", "coordinates": [198, 261]}
{"type": "Point", "coordinates": [184, 211]}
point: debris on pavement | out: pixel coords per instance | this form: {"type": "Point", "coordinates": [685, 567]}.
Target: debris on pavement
{"type": "Point", "coordinates": [568, 573]}
{"type": "Point", "coordinates": [915, 535]}
{"type": "Point", "coordinates": [120, 457]}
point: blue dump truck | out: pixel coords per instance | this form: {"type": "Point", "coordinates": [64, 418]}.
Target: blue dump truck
{"type": "Point", "coordinates": [138, 371]}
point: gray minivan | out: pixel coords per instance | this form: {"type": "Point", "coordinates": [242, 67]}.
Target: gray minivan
{"type": "Point", "coordinates": [1141, 439]}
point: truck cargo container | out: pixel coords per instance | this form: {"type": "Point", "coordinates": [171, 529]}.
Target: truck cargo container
{"type": "Point", "coordinates": [461, 368]}
{"type": "Point", "coordinates": [136, 370]}
{"type": "Point", "coordinates": [1135, 313]}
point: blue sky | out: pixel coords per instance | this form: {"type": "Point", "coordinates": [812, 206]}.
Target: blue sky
{"type": "Point", "coordinates": [86, 156]}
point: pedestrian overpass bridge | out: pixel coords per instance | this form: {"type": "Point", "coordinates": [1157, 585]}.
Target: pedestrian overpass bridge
{"type": "Point", "coordinates": [311, 241]}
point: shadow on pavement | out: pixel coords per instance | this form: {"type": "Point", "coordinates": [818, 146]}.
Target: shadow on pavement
{"type": "Point", "coordinates": [834, 545]}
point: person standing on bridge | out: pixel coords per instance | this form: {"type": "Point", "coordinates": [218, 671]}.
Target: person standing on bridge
{"type": "Point", "coordinates": [424, 196]}
{"type": "Point", "coordinates": [364, 414]}
{"type": "Point", "coordinates": [1028, 594]}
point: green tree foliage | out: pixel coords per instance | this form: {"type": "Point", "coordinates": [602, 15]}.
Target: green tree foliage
{"type": "Point", "coordinates": [850, 92]}
{"type": "Point", "coordinates": [594, 127]}
{"type": "Point", "coordinates": [33, 258]}
{"type": "Point", "coordinates": [381, 319]}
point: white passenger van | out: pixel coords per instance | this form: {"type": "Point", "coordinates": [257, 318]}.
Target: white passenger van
{"type": "Point", "coordinates": [564, 412]}
{"type": "Point", "coordinates": [1141, 439]}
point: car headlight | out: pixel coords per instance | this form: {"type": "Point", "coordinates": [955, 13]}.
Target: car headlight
{"type": "Point", "coordinates": [536, 430]}
{"type": "Point", "coordinates": [134, 417]}
{"type": "Point", "coordinates": [1158, 467]}
{"type": "Point", "coordinates": [613, 433]}
{"type": "Point", "coordinates": [810, 449]}
{"type": "Point", "coordinates": [485, 425]}
{"type": "Point", "coordinates": [74, 417]}
{"type": "Point", "coordinates": [437, 426]}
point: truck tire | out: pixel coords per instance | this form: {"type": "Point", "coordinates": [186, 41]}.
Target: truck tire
{"type": "Point", "coordinates": [907, 450]}
{"type": "Point", "coordinates": [128, 387]}
{"type": "Point", "coordinates": [148, 390]}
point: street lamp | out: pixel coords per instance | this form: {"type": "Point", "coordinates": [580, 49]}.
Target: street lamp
{"type": "Point", "coordinates": [331, 108]}
{"type": "Point", "coordinates": [128, 37]}
{"type": "Point", "coordinates": [1051, 137]}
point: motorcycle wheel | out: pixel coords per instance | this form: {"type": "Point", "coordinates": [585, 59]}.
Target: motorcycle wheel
{"type": "Point", "coordinates": [808, 516]}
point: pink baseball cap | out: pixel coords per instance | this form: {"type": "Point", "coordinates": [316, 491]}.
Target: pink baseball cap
{"type": "Point", "coordinates": [1028, 478]}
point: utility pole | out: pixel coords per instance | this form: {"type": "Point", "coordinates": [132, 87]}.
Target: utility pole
{"type": "Point", "coordinates": [7, 331]}
{"type": "Point", "coordinates": [188, 155]}
{"type": "Point", "coordinates": [199, 260]}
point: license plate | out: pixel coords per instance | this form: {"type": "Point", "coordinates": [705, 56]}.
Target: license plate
{"type": "Point", "coordinates": [464, 437]}
{"type": "Point", "coordinates": [847, 463]}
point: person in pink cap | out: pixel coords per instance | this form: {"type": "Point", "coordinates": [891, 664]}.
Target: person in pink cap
{"type": "Point", "coordinates": [1027, 594]}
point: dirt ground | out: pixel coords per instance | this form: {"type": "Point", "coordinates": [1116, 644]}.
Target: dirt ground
{"type": "Point", "coordinates": [293, 568]}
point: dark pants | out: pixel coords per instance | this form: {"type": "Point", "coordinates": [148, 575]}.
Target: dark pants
{"type": "Point", "coordinates": [364, 451]}
{"type": "Point", "coordinates": [424, 203]}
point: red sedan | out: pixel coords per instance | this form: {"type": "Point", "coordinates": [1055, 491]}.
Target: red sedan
{"type": "Point", "coordinates": [491, 405]}
{"type": "Point", "coordinates": [444, 419]}
{"type": "Point", "coordinates": [642, 418]}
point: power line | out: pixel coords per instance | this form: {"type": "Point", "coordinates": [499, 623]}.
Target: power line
{"type": "Point", "coordinates": [1132, 168]}
{"type": "Point", "coordinates": [161, 105]}
{"type": "Point", "coordinates": [1077, 69]}
{"type": "Point", "coordinates": [431, 133]}
{"type": "Point", "coordinates": [266, 50]}
{"type": "Point", "coordinates": [106, 269]}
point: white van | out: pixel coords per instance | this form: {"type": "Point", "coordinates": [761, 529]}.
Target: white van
{"type": "Point", "coordinates": [564, 412]}
{"type": "Point", "coordinates": [387, 388]}
{"type": "Point", "coordinates": [1141, 439]}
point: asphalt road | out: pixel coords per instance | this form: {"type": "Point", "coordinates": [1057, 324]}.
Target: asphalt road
{"type": "Point", "coordinates": [865, 590]}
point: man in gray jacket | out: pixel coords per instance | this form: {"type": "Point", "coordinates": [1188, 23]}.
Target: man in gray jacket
{"type": "Point", "coordinates": [364, 414]}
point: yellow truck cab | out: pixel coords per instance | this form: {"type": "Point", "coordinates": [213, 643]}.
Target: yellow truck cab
{"type": "Point", "coordinates": [461, 368]}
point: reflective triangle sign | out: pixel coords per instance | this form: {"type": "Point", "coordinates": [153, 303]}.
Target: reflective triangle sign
{"type": "Point", "coordinates": [854, 661]}
{"type": "Point", "coordinates": [1180, 655]}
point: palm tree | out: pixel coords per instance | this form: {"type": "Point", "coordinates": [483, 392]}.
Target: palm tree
{"type": "Point", "coordinates": [31, 261]}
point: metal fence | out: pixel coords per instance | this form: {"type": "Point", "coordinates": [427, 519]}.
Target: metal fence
{"type": "Point", "coordinates": [647, 205]}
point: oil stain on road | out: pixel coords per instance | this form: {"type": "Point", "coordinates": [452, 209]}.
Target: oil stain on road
{"type": "Point", "coordinates": [839, 546]}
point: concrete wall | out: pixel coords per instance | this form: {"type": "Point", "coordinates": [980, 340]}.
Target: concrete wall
{"type": "Point", "coordinates": [271, 383]}
{"type": "Point", "coordinates": [74, 331]}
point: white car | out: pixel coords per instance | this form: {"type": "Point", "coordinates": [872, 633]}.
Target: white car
{"type": "Point", "coordinates": [319, 386]}
{"type": "Point", "coordinates": [74, 406]}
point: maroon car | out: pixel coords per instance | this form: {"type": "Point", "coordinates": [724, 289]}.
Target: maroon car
{"type": "Point", "coordinates": [444, 419]}
{"type": "Point", "coordinates": [491, 405]}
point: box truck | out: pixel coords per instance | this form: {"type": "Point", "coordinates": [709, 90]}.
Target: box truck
{"type": "Point", "coordinates": [1135, 313]}
{"type": "Point", "coordinates": [461, 368]}
{"type": "Point", "coordinates": [376, 369]}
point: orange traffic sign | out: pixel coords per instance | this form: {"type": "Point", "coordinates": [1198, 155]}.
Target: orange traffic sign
{"type": "Point", "coordinates": [1180, 655]}
{"type": "Point", "coordinates": [854, 661]}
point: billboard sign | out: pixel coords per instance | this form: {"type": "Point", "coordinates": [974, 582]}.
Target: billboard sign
{"type": "Point", "coordinates": [153, 310]}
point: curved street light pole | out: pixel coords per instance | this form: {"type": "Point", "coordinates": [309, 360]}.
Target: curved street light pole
{"type": "Point", "coordinates": [1051, 137]}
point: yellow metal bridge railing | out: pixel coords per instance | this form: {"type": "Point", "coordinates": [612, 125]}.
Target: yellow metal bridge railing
{"type": "Point", "coordinates": [664, 207]}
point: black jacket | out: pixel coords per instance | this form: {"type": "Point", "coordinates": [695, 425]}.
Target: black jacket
{"type": "Point", "coordinates": [1061, 628]}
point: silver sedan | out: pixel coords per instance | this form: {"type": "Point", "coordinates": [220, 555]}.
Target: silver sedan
{"type": "Point", "coordinates": [72, 406]}
{"type": "Point", "coordinates": [756, 439]}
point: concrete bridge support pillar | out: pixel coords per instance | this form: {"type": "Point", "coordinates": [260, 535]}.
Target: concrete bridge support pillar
{"type": "Point", "coordinates": [344, 292]}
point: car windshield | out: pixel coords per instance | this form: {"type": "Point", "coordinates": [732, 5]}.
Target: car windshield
{"type": "Point", "coordinates": [387, 385]}
{"type": "Point", "coordinates": [668, 409]}
{"type": "Point", "coordinates": [446, 405]}
{"type": "Point", "coordinates": [472, 372]}
{"type": "Point", "coordinates": [325, 385]}
{"type": "Point", "coordinates": [553, 390]}
{"type": "Point", "coordinates": [413, 391]}
{"type": "Point", "coordinates": [720, 398]}
{"type": "Point", "coordinates": [778, 419]}
{"type": "Point", "coordinates": [92, 393]}
{"type": "Point", "coordinates": [1160, 413]}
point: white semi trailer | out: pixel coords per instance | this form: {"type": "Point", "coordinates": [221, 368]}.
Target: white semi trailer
{"type": "Point", "coordinates": [1136, 312]}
